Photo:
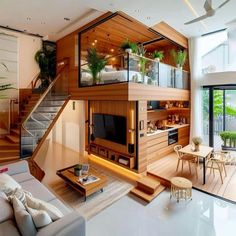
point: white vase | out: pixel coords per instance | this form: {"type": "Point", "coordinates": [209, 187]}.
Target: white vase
{"type": "Point", "coordinates": [157, 59]}
{"type": "Point", "coordinates": [128, 50]}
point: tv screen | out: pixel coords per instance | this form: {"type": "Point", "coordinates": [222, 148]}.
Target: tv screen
{"type": "Point", "coordinates": [110, 127]}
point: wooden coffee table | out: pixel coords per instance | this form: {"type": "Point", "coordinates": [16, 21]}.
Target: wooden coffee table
{"type": "Point", "coordinates": [67, 174]}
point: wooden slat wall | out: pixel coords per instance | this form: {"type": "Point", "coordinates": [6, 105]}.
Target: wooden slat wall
{"type": "Point", "coordinates": [171, 34]}
{"type": "Point", "coordinates": [142, 136]}
{"type": "Point", "coordinates": [121, 108]}
{"type": "Point", "coordinates": [149, 92]}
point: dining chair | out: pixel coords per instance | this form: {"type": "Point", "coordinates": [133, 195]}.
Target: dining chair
{"type": "Point", "coordinates": [217, 162]}
{"type": "Point", "coordinates": [185, 158]}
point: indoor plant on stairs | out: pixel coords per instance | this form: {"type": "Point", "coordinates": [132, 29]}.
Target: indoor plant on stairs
{"type": "Point", "coordinates": [45, 58]}
{"type": "Point", "coordinates": [96, 63]}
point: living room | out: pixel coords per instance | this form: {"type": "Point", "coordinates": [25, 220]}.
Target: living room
{"type": "Point", "coordinates": [113, 110]}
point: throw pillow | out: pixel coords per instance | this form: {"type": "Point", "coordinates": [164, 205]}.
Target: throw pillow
{"type": "Point", "coordinates": [40, 217]}
{"type": "Point", "coordinates": [7, 183]}
{"type": "Point", "coordinates": [20, 194]}
{"type": "Point", "coordinates": [6, 211]}
{"type": "Point", "coordinates": [23, 218]}
{"type": "Point", "coordinates": [38, 204]}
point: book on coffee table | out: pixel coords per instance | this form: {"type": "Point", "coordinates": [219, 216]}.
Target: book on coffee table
{"type": "Point", "coordinates": [88, 179]}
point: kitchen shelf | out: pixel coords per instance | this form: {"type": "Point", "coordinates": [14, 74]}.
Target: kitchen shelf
{"type": "Point", "coordinates": [169, 109]}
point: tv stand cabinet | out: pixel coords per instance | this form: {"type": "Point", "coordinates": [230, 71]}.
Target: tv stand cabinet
{"type": "Point", "coordinates": [118, 158]}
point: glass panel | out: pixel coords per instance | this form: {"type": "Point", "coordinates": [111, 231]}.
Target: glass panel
{"type": "Point", "coordinates": [115, 71]}
{"type": "Point", "coordinates": [166, 75]}
{"type": "Point", "coordinates": [218, 117]}
{"type": "Point", "coordinates": [143, 70]}
{"type": "Point", "coordinates": [205, 115]}
{"type": "Point", "coordinates": [43, 114]}
{"type": "Point", "coordinates": [230, 110]}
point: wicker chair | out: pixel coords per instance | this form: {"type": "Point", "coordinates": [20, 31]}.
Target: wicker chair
{"type": "Point", "coordinates": [185, 158]}
{"type": "Point", "coordinates": [217, 162]}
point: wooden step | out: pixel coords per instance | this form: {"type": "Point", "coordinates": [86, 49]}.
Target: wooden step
{"type": "Point", "coordinates": [7, 145]}
{"type": "Point", "coordinates": [15, 131]}
{"type": "Point", "coordinates": [145, 196]}
{"type": "Point", "coordinates": [13, 138]}
{"type": "Point", "coordinates": [9, 159]}
{"type": "Point", "coordinates": [148, 184]}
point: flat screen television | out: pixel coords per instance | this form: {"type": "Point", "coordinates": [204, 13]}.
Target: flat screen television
{"type": "Point", "coordinates": [110, 127]}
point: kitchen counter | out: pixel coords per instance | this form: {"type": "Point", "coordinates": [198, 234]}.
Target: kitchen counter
{"type": "Point", "coordinates": [175, 126]}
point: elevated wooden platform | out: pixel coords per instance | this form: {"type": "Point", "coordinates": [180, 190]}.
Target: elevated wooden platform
{"type": "Point", "coordinates": [129, 92]}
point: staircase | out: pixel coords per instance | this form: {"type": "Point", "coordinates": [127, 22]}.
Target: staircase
{"type": "Point", "coordinates": [148, 187]}
{"type": "Point", "coordinates": [10, 144]}
{"type": "Point", "coordinates": [37, 117]}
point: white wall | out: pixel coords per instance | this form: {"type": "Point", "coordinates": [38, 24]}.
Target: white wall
{"type": "Point", "coordinates": [219, 78]}
{"type": "Point", "coordinates": [69, 129]}
{"type": "Point", "coordinates": [27, 47]}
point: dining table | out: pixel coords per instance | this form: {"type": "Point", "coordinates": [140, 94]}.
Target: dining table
{"type": "Point", "coordinates": [202, 153]}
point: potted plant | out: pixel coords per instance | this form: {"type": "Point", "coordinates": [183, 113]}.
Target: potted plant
{"type": "Point", "coordinates": [229, 140]}
{"type": "Point", "coordinates": [179, 57]}
{"type": "Point", "coordinates": [96, 63]}
{"type": "Point", "coordinates": [129, 46]}
{"type": "Point", "coordinates": [142, 61]}
{"type": "Point", "coordinates": [78, 170]}
{"type": "Point", "coordinates": [158, 55]}
{"type": "Point", "coordinates": [196, 141]}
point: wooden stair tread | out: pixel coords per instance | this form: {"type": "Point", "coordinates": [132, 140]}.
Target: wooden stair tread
{"type": "Point", "coordinates": [13, 138]}
{"type": "Point", "coordinates": [148, 184]}
{"type": "Point", "coordinates": [145, 196]}
{"type": "Point", "coordinates": [15, 131]}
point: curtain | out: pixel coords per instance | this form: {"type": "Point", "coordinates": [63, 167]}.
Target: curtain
{"type": "Point", "coordinates": [196, 98]}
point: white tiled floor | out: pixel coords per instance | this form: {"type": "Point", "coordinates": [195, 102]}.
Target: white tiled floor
{"type": "Point", "coordinates": [203, 216]}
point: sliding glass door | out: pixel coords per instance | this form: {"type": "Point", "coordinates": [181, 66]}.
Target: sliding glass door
{"type": "Point", "coordinates": [219, 113]}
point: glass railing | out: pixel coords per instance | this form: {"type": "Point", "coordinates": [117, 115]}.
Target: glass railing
{"type": "Point", "coordinates": [129, 67]}
{"type": "Point", "coordinates": [37, 122]}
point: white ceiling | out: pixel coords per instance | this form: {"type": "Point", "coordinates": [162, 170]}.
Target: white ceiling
{"type": "Point", "coordinates": [47, 17]}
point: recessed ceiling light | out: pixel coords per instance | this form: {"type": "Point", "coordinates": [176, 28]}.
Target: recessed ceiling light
{"type": "Point", "coordinates": [66, 19]}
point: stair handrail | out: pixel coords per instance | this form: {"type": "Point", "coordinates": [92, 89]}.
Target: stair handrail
{"type": "Point", "coordinates": [64, 65]}
{"type": "Point", "coordinates": [34, 81]}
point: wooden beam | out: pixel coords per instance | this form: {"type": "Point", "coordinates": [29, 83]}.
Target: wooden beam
{"type": "Point", "coordinates": [170, 33]}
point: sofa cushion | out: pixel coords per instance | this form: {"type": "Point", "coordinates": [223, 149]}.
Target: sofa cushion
{"type": "Point", "coordinates": [22, 177]}
{"type": "Point", "coordinates": [23, 218]}
{"type": "Point", "coordinates": [8, 228]}
{"type": "Point", "coordinates": [58, 204]}
{"type": "Point", "coordinates": [38, 190]}
{"type": "Point", "coordinates": [7, 183]}
{"type": "Point", "coordinates": [6, 212]}
{"type": "Point", "coordinates": [38, 204]}
{"type": "Point", "coordinates": [40, 217]}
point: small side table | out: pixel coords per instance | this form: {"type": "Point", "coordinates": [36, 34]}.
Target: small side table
{"type": "Point", "coordinates": [181, 188]}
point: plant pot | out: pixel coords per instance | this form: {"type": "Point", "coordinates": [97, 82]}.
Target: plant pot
{"type": "Point", "coordinates": [196, 147]}
{"type": "Point", "coordinates": [157, 59]}
{"type": "Point", "coordinates": [77, 172]}
{"type": "Point", "coordinates": [179, 67]}
{"type": "Point", "coordinates": [128, 50]}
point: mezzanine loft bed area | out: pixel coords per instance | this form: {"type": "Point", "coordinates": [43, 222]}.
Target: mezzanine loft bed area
{"type": "Point", "coordinates": [104, 42]}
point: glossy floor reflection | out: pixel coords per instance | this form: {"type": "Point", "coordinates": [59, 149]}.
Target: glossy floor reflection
{"type": "Point", "coordinates": [203, 216]}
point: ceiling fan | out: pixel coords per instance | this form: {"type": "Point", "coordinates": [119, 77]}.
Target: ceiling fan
{"type": "Point", "coordinates": [209, 11]}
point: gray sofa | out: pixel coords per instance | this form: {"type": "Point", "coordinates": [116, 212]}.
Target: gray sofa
{"type": "Point", "coordinates": [71, 224]}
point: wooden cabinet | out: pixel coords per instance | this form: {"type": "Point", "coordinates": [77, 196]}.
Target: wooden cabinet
{"type": "Point", "coordinates": [183, 136]}
{"type": "Point", "coordinates": [121, 159]}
